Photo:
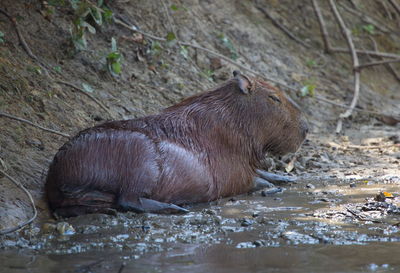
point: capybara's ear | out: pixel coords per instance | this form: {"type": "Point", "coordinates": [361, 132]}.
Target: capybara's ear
{"type": "Point", "coordinates": [243, 81]}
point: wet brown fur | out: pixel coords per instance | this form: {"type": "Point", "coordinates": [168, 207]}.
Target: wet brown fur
{"type": "Point", "coordinates": [201, 149]}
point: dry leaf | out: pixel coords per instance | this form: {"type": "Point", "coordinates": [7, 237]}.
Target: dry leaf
{"type": "Point", "coordinates": [389, 120]}
{"type": "Point", "coordinates": [290, 165]}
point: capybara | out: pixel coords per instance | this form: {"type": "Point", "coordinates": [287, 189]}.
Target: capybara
{"type": "Point", "coordinates": [206, 147]}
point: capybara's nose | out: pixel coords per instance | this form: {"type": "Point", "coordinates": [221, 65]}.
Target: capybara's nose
{"type": "Point", "coordinates": [304, 127]}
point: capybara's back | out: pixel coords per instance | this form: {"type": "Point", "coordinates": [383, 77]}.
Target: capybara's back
{"type": "Point", "coordinates": [204, 148]}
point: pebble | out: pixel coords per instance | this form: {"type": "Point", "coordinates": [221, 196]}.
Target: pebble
{"type": "Point", "coordinates": [310, 186]}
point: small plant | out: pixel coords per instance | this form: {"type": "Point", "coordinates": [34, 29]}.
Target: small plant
{"type": "Point", "coordinates": [308, 89]}
{"type": "Point", "coordinates": [155, 48]}
{"type": "Point", "coordinates": [174, 7]}
{"type": "Point", "coordinates": [184, 52]}
{"type": "Point", "coordinates": [370, 29]}
{"type": "Point", "coordinates": [229, 45]}
{"type": "Point", "coordinates": [57, 69]}
{"type": "Point", "coordinates": [114, 59]}
{"type": "Point", "coordinates": [87, 87]}
{"type": "Point", "coordinates": [1, 37]}
{"type": "Point", "coordinates": [84, 12]}
{"type": "Point", "coordinates": [209, 74]}
{"type": "Point", "coordinates": [311, 63]}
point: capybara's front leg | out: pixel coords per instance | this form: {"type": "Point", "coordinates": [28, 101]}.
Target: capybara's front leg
{"type": "Point", "coordinates": [269, 180]}
{"type": "Point", "coordinates": [275, 178]}
{"type": "Point", "coordinates": [260, 183]}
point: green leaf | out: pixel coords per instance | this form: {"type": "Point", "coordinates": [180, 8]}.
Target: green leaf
{"type": "Point", "coordinates": [369, 29]}
{"type": "Point", "coordinates": [75, 3]}
{"type": "Point", "coordinates": [35, 69]}
{"type": "Point", "coordinates": [57, 68]}
{"type": "Point", "coordinates": [170, 37]}
{"type": "Point", "coordinates": [311, 63]}
{"type": "Point", "coordinates": [174, 7]}
{"type": "Point", "coordinates": [113, 44]}
{"type": "Point", "coordinates": [155, 49]}
{"type": "Point", "coordinates": [89, 27]}
{"type": "Point", "coordinates": [184, 52]}
{"type": "Point", "coordinates": [96, 15]}
{"type": "Point", "coordinates": [116, 67]}
{"type": "Point", "coordinates": [114, 56]}
{"type": "Point", "coordinates": [1, 37]}
{"type": "Point", "coordinates": [100, 3]}
{"type": "Point", "coordinates": [107, 15]}
{"type": "Point", "coordinates": [229, 45]}
{"type": "Point", "coordinates": [87, 88]}
{"type": "Point", "coordinates": [80, 43]}
{"type": "Point", "coordinates": [308, 89]}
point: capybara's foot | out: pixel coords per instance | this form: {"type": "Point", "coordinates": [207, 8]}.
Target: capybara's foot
{"type": "Point", "coordinates": [275, 178]}
{"type": "Point", "coordinates": [149, 205]}
{"type": "Point", "coordinates": [260, 183]}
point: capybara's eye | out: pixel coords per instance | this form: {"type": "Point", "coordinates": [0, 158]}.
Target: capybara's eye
{"type": "Point", "coordinates": [274, 98]}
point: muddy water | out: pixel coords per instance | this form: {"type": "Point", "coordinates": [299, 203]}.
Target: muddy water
{"type": "Point", "coordinates": [312, 226]}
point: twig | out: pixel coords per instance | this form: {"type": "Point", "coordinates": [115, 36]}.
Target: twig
{"type": "Point", "coordinates": [362, 218]}
{"type": "Point", "coordinates": [361, 66]}
{"type": "Point", "coordinates": [367, 52]}
{"type": "Point", "coordinates": [135, 29]}
{"type": "Point", "coordinates": [320, 98]}
{"type": "Point", "coordinates": [2, 114]}
{"type": "Point", "coordinates": [345, 147]}
{"type": "Point", "coordinates": [21, 225]}
{"type": "Point", "coordinates": [373, 147]}
{"type": "Point", "coordinates": [23, 42]}
{"type": "Point", "coordinates": [322, 26]}
{"type": "Point", "coordinates": [346, 32]}
{"type": "Point", "coordinates": [395, 5]}
{"type": "Point", "coordinates": [88, 95]}
{"type": "Point", "coordinates": [379, 25]}
{"type": "Point", "coordinates": [280, 26]}
{"type": "Point", "coordinates": [388, 66]}
{"type": "Point", "coordinates": [385, 7]}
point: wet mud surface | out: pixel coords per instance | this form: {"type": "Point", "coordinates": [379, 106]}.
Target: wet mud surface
{"type": "Point", "coordinates": [309, 226]}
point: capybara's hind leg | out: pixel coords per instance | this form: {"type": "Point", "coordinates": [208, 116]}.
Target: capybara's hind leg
{"type": "Point", "coordinates": [141, 205]}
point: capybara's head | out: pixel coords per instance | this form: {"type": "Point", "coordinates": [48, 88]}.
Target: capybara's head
{"type": "Point", "coordinates": [277, 119]}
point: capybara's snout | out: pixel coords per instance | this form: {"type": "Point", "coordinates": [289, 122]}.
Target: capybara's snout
{"type": "Point", "coordinates": [304, 127]}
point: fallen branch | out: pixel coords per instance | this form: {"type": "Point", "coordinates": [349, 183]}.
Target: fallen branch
{"type": "Point", "coordinates": [346, 32]}
{"type": "Point", "coordinates": [329, 48]}
{"type": "Point", "coordinates": [361, 147]}
{"type": "Point", "coordinates": [395, 6]}
{"type": "Point", "coordinates": [322, 26]}
{"type": "Point", "coordinates": [388, 66]}
{"type": "Point", "coordinates": [88, 95]}
{"type": "Point", "coordinates": [378, 25]}
{"type": "Point", "coordinates": [135, 29]}
{"type": "Point", "coordinates": [2, 114]}
{"type": "Point", "coordinates": [281, 27]}
{"type": "Point", "coordinates": [21, 225]}
{"type": "Point", "coordinates": [361, 66]}
{"type": "Point", "coordinates": [22, 41]}
{"type": "Point", "coordinates": [367, 52]}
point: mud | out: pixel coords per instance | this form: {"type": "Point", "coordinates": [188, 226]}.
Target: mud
{"type": "Point", "coordinates": [308, 226]}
